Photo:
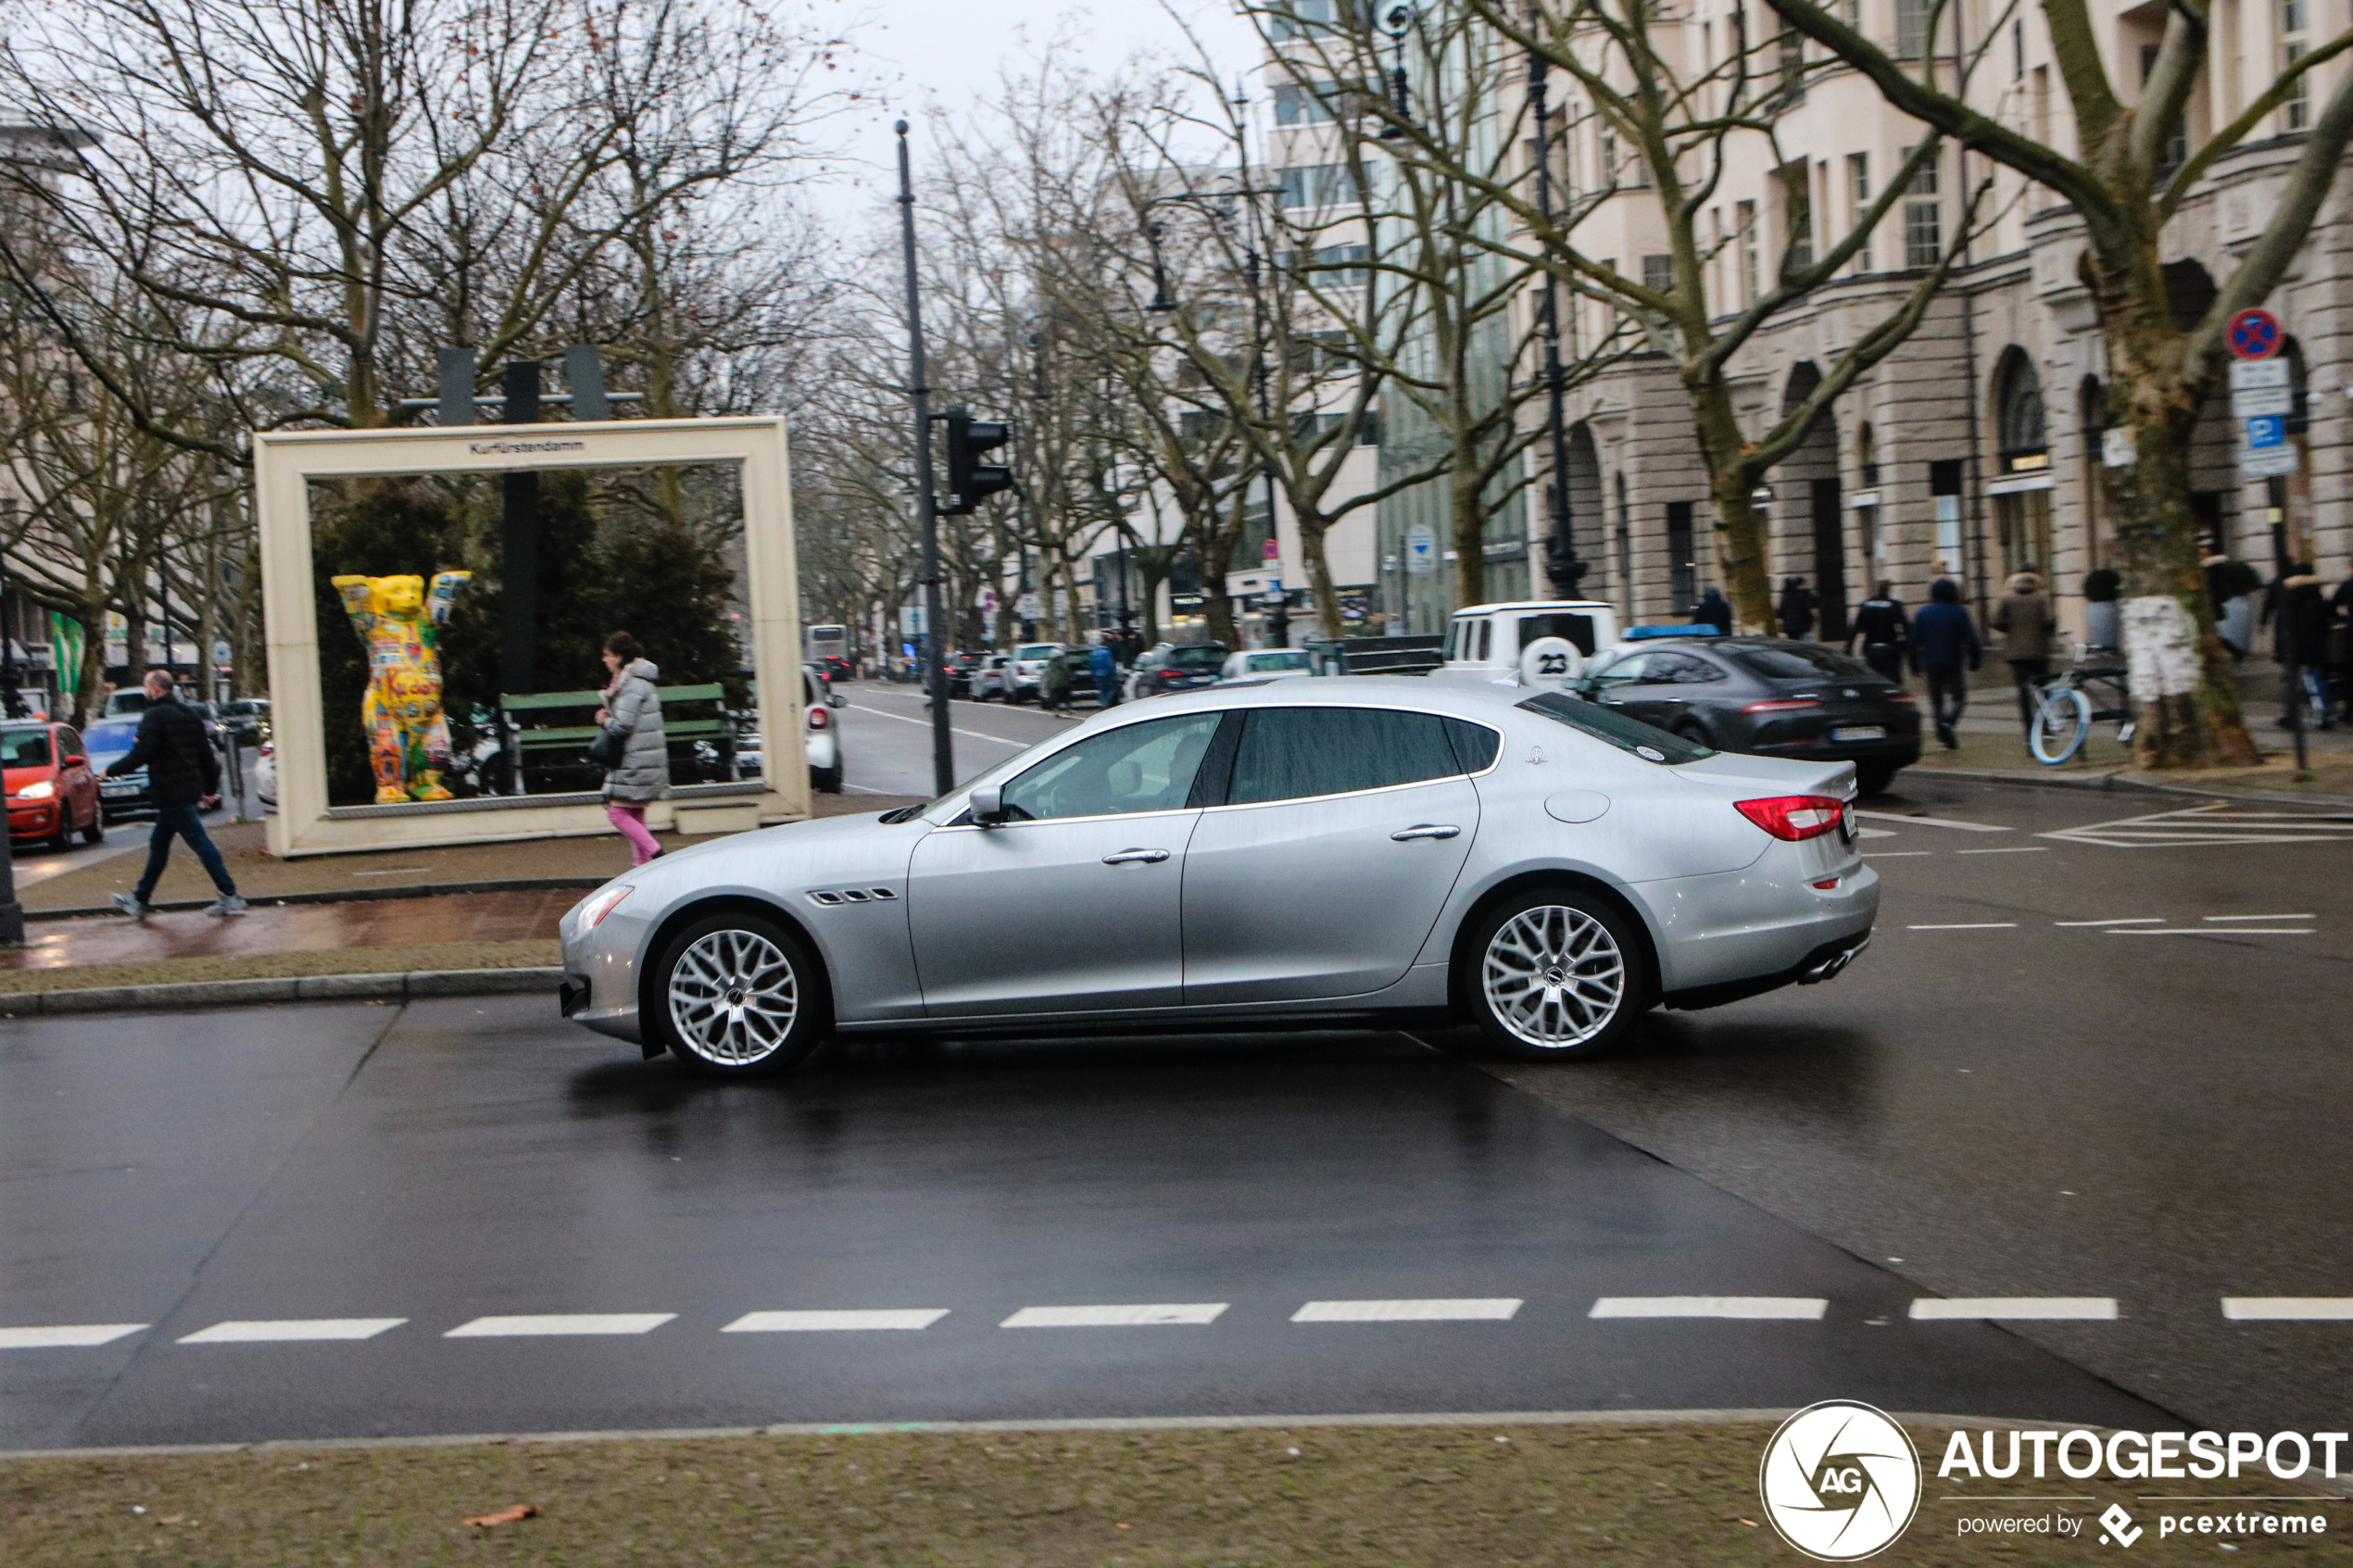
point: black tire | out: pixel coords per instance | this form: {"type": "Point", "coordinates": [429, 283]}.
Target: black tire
{"type": "Point", "coordinates": [684, 1002]}
{"type": "Point", "coordinates": [1872, 778]}
{"type": "Point", "coordinates": [1697, 732]}
{"type": "Point", "coordinates": [826, 780]}
{"type": "Point", "coordinates": [96, 832]}
{"type": "Point", "coordinates": [61, 840]}
{"type": "Point", "coordinates": [1506, 959]}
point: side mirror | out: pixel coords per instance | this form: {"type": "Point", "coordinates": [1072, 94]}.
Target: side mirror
{"type": "Point", "coordinates": [75, 762]}
{"type": "Point", "coordinates": [835, 699]}
{"type": "Point", "coordinates": [988, 805]}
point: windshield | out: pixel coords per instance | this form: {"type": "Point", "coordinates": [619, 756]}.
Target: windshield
{"type": "Point", "coordinates": [1036, 650]}
{"type": "Point", "coordinates": [1292, 658]}
{"type": "Point", "coordinates": [1799, 662]}
{"type": "Point", "coordinates": [1198, 657]}
{"type": "Point", "coordinates": [127, 702]}
{"type": "Point", "coordinates": [1646, 741]}
{"type": "Point", "coordinates": [24, 749]}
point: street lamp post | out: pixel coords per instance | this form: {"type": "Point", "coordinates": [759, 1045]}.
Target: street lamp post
{"type": "Point", "coordinates": [943, 760]}
{"type": "Point", "coordinates": [1560, 548]}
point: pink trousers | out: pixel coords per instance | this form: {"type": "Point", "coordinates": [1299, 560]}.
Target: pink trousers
{"type": "Point", "coordinates": [630, 818]}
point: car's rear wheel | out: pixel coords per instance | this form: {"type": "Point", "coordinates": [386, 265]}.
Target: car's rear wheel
{"type": "Point", "coordinates": [826, 780]}
{"type": "Point", "coordinates": [1555, 974]}
{"type": "Point", "coordinates": [736, 996]}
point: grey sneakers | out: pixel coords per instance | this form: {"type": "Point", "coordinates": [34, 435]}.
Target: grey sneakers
{"type": "Point", "coordinates": [227, 904]}
{"type": "Point", "coordinates": [129, 904]}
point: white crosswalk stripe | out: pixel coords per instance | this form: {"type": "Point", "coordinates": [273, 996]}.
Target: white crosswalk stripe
{"type": "Point", "coordinates": [1791, 1307]}
{"type": "Point", "coordinates": [2013, 1309]}
{"type": "Point", "coordinates": [836, 1321]}
{"type": "Point", "coordinates": [2289, 1309]}
{"type": "Point", "coordinates": [1493, 1308]}
{"type": "Point", "coordinates": [556, 1324]}
{"type": "Point", "coordinates": [66, 1336]}
{"type": "Point", "coordinates": [2210, 824]}
{"type": "Point", "coordinates": [272, 1331]}
{"type": "Point", "coordinates": [1179, 1313]}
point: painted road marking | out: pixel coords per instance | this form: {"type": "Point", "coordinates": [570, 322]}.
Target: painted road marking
{"type": "Point", "coordinates": [2217, 931]}
{"type": "Point", "coordinates": [66, 1336]}
{"type": "Point", "coordinates": [973, 734]}
{"type": "Point", "coordinates": [1493, 1308]}
{"type": "Point", "coordinates": [552, 1324]}
{"type": "Point", "coordinates": [1988, 925]}
{"type": "Point", "coordinates": [1116, 1317]}
{"type": "Point", "coordinates": [2200, 825]}
{"type": "Point", "coordinates": [2009, 849]}
{"type": "Point", "coordinates": [2014, 1308]}
{"type": "Point", "coordinates": [2125, 920]}
{"type": "Point", "coordinates": [271, 1331]}
{"type": "Point", "coordinates": [1796, 1307]}
{"type": "Point", "coordinates": [1895, 854]}
{"type": "Point", "coordinates": [2289, 1309]}
{"type": "Point", "coordinates": [2260, 916]}
{"type": "Point", "coordinates": [1873, 833]}
{"type": "Point", "coordinates": [1930, 821]}
{"type": "Point", "coordinates": [826, 1323]}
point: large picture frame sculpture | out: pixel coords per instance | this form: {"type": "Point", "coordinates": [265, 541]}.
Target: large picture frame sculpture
{"type": "Point", "coordinates": [284, 467]}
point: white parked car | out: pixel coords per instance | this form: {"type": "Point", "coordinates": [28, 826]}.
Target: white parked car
{"type": "Point", "coordinates": [1261, 664]}
{"type": "Point", "coordinates": [824, 733]}
{"type": "Point", "coordinates": [1029, 667]}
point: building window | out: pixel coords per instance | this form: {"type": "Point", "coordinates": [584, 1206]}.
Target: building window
{"type": "Point", "coordinates": [2297, 113]}
{"type": "Point", "coordinates": [1923, 219]}
{"type": "Point", "coordinates": [1682, 564]}
{"type": "Point", "coordinates": [1791, 46]}
{"type": "Point", "coordinates": [1313, 185]}
{"type": "Point", "coordinates": [1858, 201]}
{"type": "Point", "coordinates": [2020, 434]}
{"type": "Point", "coordinates": [1744, 221]}
{"type": "Point", "coordinates": [1297, 103]}
{"type": "Point", "coordinates": [1911, 29]}
{"type": "Point", "coordinates": [1300, 19]}
{"type": "Point", "coordinates": [1866, 456]}
{"type": "Point", "coordinates": [1658, 274]}
{"type": "Point", "coordinates": [1797, 211]}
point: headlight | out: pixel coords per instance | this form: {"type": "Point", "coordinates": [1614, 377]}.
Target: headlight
{"type": "Point", "coordinates": [601, 904]}
{"type": "Point", "coordinates": [41, 791]}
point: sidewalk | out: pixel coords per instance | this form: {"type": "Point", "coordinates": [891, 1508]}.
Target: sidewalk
{"type": "Point", "coordinates": [578, 862]}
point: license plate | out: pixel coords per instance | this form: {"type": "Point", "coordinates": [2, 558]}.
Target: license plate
{"type": "Point", "coordinates": [1860, 732]}
{"type": "Point", "coordinates": [119, 789]}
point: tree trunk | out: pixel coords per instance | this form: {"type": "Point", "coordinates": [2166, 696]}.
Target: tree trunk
{"type": "Point", "coordinates": [1740, 534]}
{"type": "Point", "coordinates": [1470, 528]}
{"type": "Point", "coordinates": [1311, 529]}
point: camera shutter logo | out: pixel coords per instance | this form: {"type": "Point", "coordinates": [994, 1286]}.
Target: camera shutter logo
{"type": "Point", "coordinates": [1839, 1481]}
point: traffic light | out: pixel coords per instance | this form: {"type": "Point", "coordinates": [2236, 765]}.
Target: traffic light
{"type": "Point", "coordinates": [970, 481]}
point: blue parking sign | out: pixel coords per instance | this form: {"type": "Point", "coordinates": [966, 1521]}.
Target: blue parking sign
{"type": "Point", "coordinates": [2267, 430]}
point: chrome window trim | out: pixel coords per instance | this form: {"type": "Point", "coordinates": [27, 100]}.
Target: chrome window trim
{"type": "Point", "coordinates": [961, 825]}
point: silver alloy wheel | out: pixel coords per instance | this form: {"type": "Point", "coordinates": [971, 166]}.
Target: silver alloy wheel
{"type": "Point", "coordinates": [734, 996]}
{"type": "Point", "coordinates": [1554, 976]}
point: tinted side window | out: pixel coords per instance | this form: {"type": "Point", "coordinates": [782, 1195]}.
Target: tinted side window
{"type": "Point", "coordinates": [1291, 753]}
{"type": "Point", "coordinates": [1624, 671]}
{"type": "Point", "coordinates": [69, 740]}
{"type": "Point", "coordinates": [1137, 767]}
{"type": "Point", "coordinates": [1474, 744]}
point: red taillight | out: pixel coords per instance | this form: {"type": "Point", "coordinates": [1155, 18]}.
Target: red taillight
{"type": "Point", "coordinates": [1794, 817]}
{"type": "Point", "coordinates": [1900, 697]}
{"type": "Point", "coordinates": [1780, 705]}
{"type": "Point", "coordinates": [819, 718]}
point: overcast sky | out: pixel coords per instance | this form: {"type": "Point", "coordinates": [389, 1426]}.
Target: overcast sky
{"type": "Point", "coordinates": [949, 52]}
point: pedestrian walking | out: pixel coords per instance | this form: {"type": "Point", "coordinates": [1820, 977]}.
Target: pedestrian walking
{"type": "Point", "coordinates": [2341, 645]}
{"type": "Point", "coordinates": [1885, 632]}
{"type": "Point", "coordinates": [2299, 618]}
{"type": "Point", "coordinates": [183, 780]}
{"type": "Point", "coordinates": [1105, 669]}
{"type": "Point", "coordinates": [1944, 640]}
{"type": "Point", "coordinates": [1797, 608]}
{"type": "Point", "coordinates": [632, 715]}
{"type": "Point", "coordinates": [1056, 683]}
{"type": "Point", "coordinates": [2025, 619]}
{"type": "Point", "coordinates": [1712, 611]}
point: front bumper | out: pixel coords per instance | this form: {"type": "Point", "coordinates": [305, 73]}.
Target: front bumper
{"type": "Point", "coordinates": [36, 821]}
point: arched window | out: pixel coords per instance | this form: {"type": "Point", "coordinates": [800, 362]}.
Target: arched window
{"type": "Point", "coordinates": [2020, 435]}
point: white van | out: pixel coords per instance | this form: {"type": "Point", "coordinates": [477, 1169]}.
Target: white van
{"type": "Point", "coordinates": [1485, 641]}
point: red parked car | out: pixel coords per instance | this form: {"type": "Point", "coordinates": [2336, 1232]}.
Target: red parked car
{"type": "Point", "coordinates": [52, 792]}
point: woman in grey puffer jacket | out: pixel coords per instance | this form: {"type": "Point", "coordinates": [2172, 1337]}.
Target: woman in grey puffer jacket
{"type": "Point", "coordinates": [633, 712]}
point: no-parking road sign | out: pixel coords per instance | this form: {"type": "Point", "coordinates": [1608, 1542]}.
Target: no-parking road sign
{"type": "Point", "coordinates": [2255, 335]}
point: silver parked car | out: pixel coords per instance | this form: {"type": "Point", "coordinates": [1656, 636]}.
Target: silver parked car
{"type": "Point", "coordinates": [1373, 849]}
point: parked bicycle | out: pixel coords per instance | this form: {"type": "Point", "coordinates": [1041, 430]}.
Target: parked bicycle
{"type": "Point", "coordinates": [2092, 691]}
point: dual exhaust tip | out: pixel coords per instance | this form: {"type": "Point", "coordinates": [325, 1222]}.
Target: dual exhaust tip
{"type": "Point", "coordinates": [1829, 967]}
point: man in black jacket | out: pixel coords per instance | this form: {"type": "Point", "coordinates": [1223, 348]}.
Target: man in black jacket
{"type": "Point", "coordinates": [1886, 633]}
{"type": "Point", "coordinates": [183, 780]}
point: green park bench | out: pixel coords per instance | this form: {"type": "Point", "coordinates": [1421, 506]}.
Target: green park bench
{"type": "Point", "coordinates": [527, 737]}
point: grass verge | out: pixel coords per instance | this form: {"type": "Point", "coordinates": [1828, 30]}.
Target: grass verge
{"type": "Point", "coordinates": [1470, 1494]}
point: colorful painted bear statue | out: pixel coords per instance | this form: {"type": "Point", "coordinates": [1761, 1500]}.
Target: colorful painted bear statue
{"type": "Point", "coordinates": [401, 622]}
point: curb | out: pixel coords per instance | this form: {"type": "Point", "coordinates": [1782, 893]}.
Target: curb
{"type": "Point", "coordinates": [2129, 779]}
{"type": "Point", "coordinates": [343, 895]}
{"type": "Point", "coordinates": [401, 986]}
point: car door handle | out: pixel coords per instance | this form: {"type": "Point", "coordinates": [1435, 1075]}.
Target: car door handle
{"type": "Point", "coordinates": [1428, 830]}
{"type": "Point", "coordinates": [1141, 857]}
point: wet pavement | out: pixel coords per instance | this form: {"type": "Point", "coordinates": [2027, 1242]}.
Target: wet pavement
{"type": "Point", "coordinates": [289, 928]}
{"type": "Point", "coordinates": [2091, 1071]}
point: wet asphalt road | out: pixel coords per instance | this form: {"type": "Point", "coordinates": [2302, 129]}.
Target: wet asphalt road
{"type": "Point", "coordinates": [2016, 1110]}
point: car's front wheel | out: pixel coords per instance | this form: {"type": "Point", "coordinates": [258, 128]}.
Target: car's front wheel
{"type": "Point", "coordinates": [736, 996]}
{"type": "Point", "coordinates": [826, 780]}
{"type": "Point", "coordinates": [1555, 974]}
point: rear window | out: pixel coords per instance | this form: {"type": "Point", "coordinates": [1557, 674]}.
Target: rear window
{"type": "Point", "coordinates": [1197, 658]}
{"type": "Point", "coordinates": [1290, 658]}
{"type": "Point", "coordinates": [1646, 741]}
{"type": "Point", "coordinates": [24, 749]}
{"type": "Point", "coordinates": [1800, 661]}
{"type": "Point", "coordinates": [1036, 650]}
